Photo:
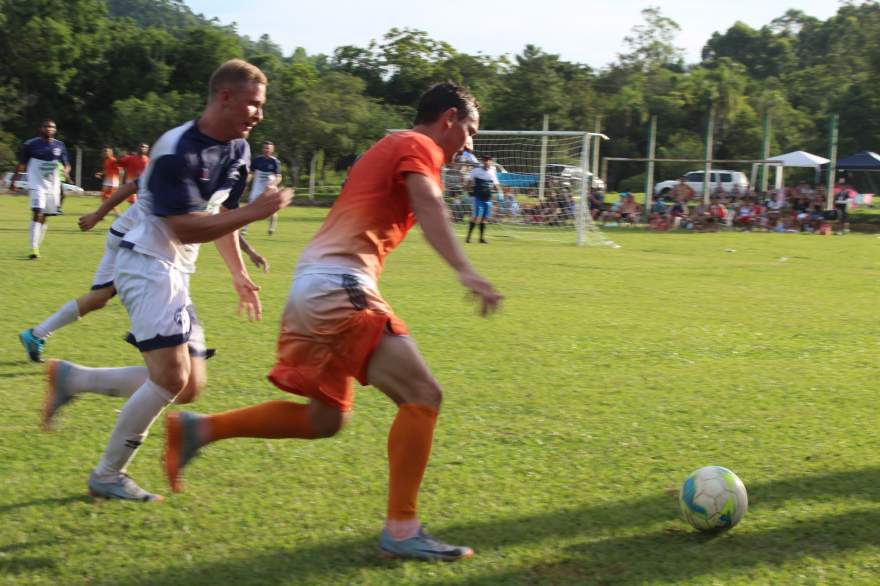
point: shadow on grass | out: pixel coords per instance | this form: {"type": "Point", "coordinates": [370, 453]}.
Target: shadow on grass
{"type": "Point", "coordinates": [684, 555]}
{"type": "Point", "coordinates": [669, 554]}
{"type": "Point", "coordinates": [47, 502]}
{"type": "Point", "coordinates": [18, 565]}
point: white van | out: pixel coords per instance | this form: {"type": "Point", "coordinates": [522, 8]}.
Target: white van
{"type": "Point", "coordinates": [729, 180]}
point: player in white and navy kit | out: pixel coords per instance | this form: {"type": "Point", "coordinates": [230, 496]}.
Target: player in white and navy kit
{"type": "Point", "coordinates": [41, 156]}
{"type": "Point", "coordinates": [266, 173]}
{"type": "Point", "coordinates": [197, 170]}
{"type": "Point", "coordinates": [102, 289]}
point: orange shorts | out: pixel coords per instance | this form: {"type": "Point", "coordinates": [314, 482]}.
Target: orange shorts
{"type": "Point", "coordinates": [107, 191]}
{"type": "Point", "coordinates": [332, 324]}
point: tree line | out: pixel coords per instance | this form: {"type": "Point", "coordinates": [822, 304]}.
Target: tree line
{"type": "Point", "coordinates": [123, 71]}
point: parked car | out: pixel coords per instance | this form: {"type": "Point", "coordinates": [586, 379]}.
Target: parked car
{"type": "Point", "coordinates": [728, 180]}
{"type": "Point", "coordinates": [21, 183]}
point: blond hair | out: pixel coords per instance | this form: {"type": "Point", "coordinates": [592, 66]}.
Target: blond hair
{"type": "Point", "coordinates": [233, 74]}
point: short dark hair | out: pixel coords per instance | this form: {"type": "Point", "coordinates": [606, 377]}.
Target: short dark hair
{"type": "Point", "coordinates": [47, 121]}
{"type": "Point", "coordinates": [442, 96]}
{"type": "Point", "coordinates": [269, 142]}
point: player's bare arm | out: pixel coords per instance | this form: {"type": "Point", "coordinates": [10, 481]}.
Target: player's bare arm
{"type": "Point", "coordinates": [427, 204]}
{"type": "Point", "coordinates": [258, 259]}
{"type": "Point", "coordinates": [201, 227]}
{"type": "Point", "coordinates": [88, 221]}
{"type": "Point", "coordinates": [228, 247]}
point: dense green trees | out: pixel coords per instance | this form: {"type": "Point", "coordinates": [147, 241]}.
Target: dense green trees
{"type": "Point", "coordinates": [122, 71]}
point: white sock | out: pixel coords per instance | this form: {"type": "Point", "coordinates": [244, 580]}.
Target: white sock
{"type": "Point", "coordinates": [66, 314]}
{"type": "Point", "coordinates": [113, 382]}
{"type": "Point", "coordinates": [36, 232]}
{"type": "Point", "coordinates": [132, 428]}
{"type": "Point", "coordinates": [45, 226]}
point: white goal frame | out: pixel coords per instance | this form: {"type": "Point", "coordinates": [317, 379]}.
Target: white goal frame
{"type": "Point", "coordinates": [583, 221]}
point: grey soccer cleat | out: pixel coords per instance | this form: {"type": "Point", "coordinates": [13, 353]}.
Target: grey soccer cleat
{"type": "Point", "coordinates": [56, 391]}
{"type": "Point", "coordinates": [422, 547]}
{"type": "Point", "coordinates": [122, 487]}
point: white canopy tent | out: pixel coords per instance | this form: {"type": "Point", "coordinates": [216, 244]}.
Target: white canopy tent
{"type": "Point", "coordinates": [793, 159]}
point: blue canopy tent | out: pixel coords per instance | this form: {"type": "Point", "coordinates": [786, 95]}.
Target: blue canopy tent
{"type": "Point", "coordinates": [861, 161]}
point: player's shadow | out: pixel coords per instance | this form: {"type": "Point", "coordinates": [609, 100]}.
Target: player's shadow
{"type": "Point", "coordinates": [608, 552]}
{"type": "Point", "coordinates": [45, 502]}
{"type": "Point", "coordinates": [18, 565]}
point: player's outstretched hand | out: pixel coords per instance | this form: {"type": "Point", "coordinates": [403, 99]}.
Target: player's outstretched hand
{"type": "Point", "coordinates": [273, 200]}
{"type": "Point", "coordinates": [483, 290]}
{"type": "Point", "coordinates": [260, 261]}
{"type": "Point", "coordinates": [88, 221]}
{"type": "Point", "coordinates": [248, 297]}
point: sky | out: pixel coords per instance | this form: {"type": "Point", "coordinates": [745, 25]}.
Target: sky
{"type": "Point", "coordinates": [580, 31]}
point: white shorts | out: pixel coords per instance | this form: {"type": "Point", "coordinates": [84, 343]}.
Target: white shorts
{"type": "Point", "coordinates": [156, 296]}
{"type": "Point", "coordinates": [45, 202]}
{"type": "Point", "coordinates": [107, 267]}
{"type": "Point", "coordinates": [257, 189]}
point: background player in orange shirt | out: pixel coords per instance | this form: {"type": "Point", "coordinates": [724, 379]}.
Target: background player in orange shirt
{"type": "Point", "coordinates": [134, 165]}
{"type": "Point", "coordinates": [109, 176]}
{"type": "Point", "coordinates": [336, 327]}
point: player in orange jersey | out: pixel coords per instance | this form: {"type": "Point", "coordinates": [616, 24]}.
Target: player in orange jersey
{"type": "Point", "coordinates": [336, 327]}
{"type": "Point", "coordinates": [135, 164]}
{"type": "Point", "coordinates": [109, 176]}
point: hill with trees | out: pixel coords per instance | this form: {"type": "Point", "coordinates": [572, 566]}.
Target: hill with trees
{"type": "Point", "coordinates": [122, 71]}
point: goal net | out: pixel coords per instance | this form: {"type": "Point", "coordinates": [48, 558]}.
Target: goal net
{"type": "Point", "coordinates": [544, 183]}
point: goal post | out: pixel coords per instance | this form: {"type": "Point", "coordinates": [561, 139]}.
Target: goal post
{"type": "Point", "coordinates": [545, 181]}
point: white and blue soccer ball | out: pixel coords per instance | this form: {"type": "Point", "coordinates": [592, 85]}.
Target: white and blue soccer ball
{"type": "Point", "coordinates": [713, 499]}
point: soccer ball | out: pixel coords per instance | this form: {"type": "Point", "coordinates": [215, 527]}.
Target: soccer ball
{"type": "Point", "coordinates": [713, 499]}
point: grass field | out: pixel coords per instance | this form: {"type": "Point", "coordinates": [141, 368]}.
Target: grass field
{"type": "Point", "coordinates": [607, 378]}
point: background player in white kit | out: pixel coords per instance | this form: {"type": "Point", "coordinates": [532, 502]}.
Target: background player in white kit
{"type": "Point", "coordinates": [41, 157]}
{"type": "Point", "coordinates": [197, 170]}
{"type": "Point", "coordinates": [102, 290]}
{"type": "Point", "coordinates": [266, 173]}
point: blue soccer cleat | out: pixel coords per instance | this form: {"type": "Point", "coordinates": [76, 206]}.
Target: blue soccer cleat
{"type": "Point", "coordinates": [422, 547]}
{"type": "Point", "coordinates": [122, 487]}
{"type": "Point", "coordinates": [57, 395]}
{"type": "Point", "coordinates": [181, 445]}
{"type": "Point", "coordinates": [32, 345]}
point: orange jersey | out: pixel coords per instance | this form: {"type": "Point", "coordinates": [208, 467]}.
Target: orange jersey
{"type": "Point", "coordinates": [134, 165]}
{"type": "Point", "coordinates": [372, 214]}
{"type": "Point", "coordinates": [111, 172]}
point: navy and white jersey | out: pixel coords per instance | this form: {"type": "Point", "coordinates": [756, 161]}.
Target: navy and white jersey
{"type": "Point", "coordinates": [42, 158]}
{"type": "Point", "coordinates": [265, 170]}
{"type": "Point", "coordinates": [129, 218]}
{"type": "Point", "coordinates": [188, 172]}
{"type": "Point", "coordinates": [483, 180]}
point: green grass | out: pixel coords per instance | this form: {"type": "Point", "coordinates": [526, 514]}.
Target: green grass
{"type": "Point", "coordinates": [607, 378]}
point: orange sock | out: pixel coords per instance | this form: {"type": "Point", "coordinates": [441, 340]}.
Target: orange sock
{"type": "Point", "coordinates": [409, 447]}
{"type": "Point", "coordinates": [273, 420]}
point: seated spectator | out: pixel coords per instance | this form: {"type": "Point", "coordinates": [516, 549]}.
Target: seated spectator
{"type": "Point", "coordinates": [596, 203]}
{"type": "Point", "coordinates": [745, 215]}
{"type": "Point", "coordinates": [629, 209]}
{"type": "Point", "coordinates": [800, 212]}
{"type": "Point", "coordinates": [679, 216]}
{"type": "Point", "coordinates": [657, 216]}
